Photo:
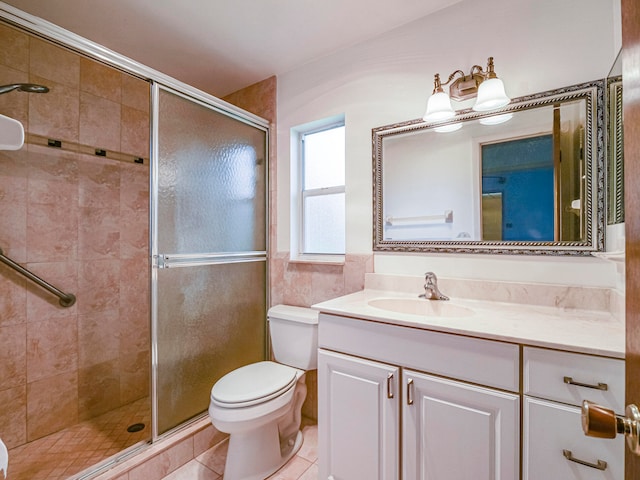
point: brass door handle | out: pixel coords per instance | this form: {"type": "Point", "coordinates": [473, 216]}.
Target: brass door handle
{"type": "Point", "coordinates": [601, 422]}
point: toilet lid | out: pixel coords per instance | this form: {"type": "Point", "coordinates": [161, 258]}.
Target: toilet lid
{"type": "Point", "coordinates": [253, 384]}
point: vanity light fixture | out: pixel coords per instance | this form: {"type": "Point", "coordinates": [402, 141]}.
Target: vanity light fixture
{"type": "Point", "coordinates": [451, 127]}
{"type": "Point", "coordinates": [482, 84]}
{"type": "Point", "coordinates": [496, 119]}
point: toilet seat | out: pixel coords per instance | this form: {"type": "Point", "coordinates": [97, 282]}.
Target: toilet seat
{"type": "Point", "coordinates": [253, 384]}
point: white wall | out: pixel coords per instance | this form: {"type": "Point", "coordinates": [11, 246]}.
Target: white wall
{"type": "Point", "coordinates": [537, 45]}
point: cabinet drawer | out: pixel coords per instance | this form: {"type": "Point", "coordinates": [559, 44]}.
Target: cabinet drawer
{"type": "Point", "coordinates": [545, 372]}
{"type": "Point", "coordinates": [484, 362]}
{"type": "Point", "coordinates": [552, 428]}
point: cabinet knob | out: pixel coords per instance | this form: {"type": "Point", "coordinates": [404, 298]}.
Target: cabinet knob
{"type": "Point", "coordinates": [601, 422]}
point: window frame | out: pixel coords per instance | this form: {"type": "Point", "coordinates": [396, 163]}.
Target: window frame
{"type": "Point", "coordinates": [301, 194]}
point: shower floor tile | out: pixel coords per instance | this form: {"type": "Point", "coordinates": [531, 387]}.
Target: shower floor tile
{"type": "Point", "coordinates": [69, 451]}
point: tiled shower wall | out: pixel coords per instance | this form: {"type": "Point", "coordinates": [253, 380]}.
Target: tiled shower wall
{"type": "Point", "coordinates": [294, 283]}
{"type": "Point", "coordinates": [80, 221]}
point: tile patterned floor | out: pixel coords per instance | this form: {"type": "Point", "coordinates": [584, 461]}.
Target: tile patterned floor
{"type": "Point", "coordinates": [67, 452]}
{"type": "Point", "coordinates": [210, 465]}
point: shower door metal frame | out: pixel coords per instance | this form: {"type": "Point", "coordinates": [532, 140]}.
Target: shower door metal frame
{"type": "Point", "coordinates": [162, 261]}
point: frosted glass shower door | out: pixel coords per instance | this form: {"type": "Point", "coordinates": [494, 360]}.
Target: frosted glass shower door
{"type": "Point", "coordinates": [209, 251]}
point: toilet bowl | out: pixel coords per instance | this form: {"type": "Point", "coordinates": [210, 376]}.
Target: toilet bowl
{"type": "Point", "coordinates": [259, 405]}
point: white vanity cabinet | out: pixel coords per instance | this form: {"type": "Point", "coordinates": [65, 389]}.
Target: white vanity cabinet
{"type": "Point", "coordinates": [554, 385]}
{"type": "Point", "coordinates": [359, 415]}
{"type": "Point", "coordinates": [457, 431]}
{"type": "Point", "coordinates": [458, 398]}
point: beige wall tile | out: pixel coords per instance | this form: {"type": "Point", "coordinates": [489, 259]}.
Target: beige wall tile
{"type": "Point", "coordinates": [13, 416]}
{"type": "Point", "coordinates": [206, 439]}
{"type": "Point", "coordinates": [13, 301]}
{"type": "Point", "coordinates": [99, 233]}
{"type": "Point", "coordinates": [98, 286]}
{"type": "Point", "coordinates": [100, 122]}
{"type": "Point", "coordinates": [134, 376]}
{"type": "Point", "coordinates": [135, 93]}
{"type": "Point", "coordinates": [52, 404]}
{"type": "Point", "coordinates": [13, 356]}
{"type": "Point", "coordinates": [165, 462]}
{"type": "Point", "coordinates": [100, 80]}
{"type": "Point", "coordinates": [98, 338]}
{"type": "Point", "coordinates": [51, 347]}
{"type": "Point", "coordinates": [15, 48]}
{"type": "Point", "coordinates": [52, 233]}
{"type": "Point", "coordinates": [98, 389]}
{"type": "Point", "coordinates": [215, 457]}
{"type": "Point", "coordinates": [134, 211]}
{"type": "Point", "coordinates": [54, 114]}
{"type": "Point", "coordinates": [14, 105]}
{"type": "Point", "coordinates": [99, 182]}
{"type": "Point", "coordinates": [193, 470]}
{"type": "Point", "coordinates": [13, 201]}
{"type": "Point", "coordinates": [41, 305]}
{"type": "Point", "coordinates": [54, 63]}
{"type": "Point", "coordinates": [135, 132]}
{"type": "Point", "coordinates": [53, 178]}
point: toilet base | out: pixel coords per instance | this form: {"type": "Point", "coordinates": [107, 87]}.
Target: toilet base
{"type": "Point", "coordinates": [255, 455]}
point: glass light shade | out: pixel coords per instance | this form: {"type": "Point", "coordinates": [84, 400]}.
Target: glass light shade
{"type": "Point", "coordinates": [438, 108]}
{"type": "Point", "coordinates": [491, 95]}
{"type": "Point", "coordinates": [496, 119]}
{"type": "Point", "coordinates": [452, 127]}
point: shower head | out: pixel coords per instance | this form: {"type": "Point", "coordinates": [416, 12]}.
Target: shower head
{"type": "Point", "coordinates": [24, 87]}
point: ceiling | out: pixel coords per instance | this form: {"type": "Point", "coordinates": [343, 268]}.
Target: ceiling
{"type": "Point", "coordinates": [220, 46]}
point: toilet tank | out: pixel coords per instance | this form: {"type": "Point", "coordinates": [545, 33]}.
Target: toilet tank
{"type": "Point", "coordinates": [294, 336]}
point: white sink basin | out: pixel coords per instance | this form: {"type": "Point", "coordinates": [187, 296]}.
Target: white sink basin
{"type": "Point", "coordinates": [419, 306]}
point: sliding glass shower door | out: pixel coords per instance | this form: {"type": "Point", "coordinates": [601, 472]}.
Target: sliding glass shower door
{"type": "Point", "coordinates": [209, 242]}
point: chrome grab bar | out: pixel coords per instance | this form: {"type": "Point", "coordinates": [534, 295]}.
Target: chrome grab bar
{"type": "Point", "coordinates": [66, 299]}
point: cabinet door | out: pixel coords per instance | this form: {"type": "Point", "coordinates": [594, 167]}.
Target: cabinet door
{"type": "Point", "coordinates": [554, 446]}
{"type": "Point", "coordinates": [358, 418]}
{"type": "Point", "coordinates": [457, 431]}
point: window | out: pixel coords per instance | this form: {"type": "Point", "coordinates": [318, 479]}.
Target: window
{"type": "Point", "coordinates": [321, 205]}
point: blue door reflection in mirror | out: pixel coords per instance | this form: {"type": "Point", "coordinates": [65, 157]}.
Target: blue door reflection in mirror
{"type": "Point", "coordinates": [518, 190]}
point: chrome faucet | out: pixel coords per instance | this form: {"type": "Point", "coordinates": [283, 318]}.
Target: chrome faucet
{"type": "Point", "coordinates": [431, 291]}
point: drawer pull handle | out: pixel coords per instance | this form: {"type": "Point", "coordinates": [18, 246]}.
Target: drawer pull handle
{"type": "Point", "coordinates": [409, 391]}
{"type": "Point", "coordinates": [601, 465]}
{"type": "Point", "coordinates": [389, 385]}
{"type": "Point", "coordinates": [599, 386]}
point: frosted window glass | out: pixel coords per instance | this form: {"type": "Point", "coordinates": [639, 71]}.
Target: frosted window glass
{"type": "Point", "coordinates": [324, 228]}
{"type": "Point", "coordinates": [211, 180]}
{"type": "Point", "coordinates": [324, 158]}
{"type": "Point", "coordinates": [211, 320]}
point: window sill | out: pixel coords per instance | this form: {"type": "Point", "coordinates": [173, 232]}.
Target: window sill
{"type": "Point", "coordinates": [318, 259]}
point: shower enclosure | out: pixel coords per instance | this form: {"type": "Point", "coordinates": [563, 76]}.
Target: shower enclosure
{"type": "Point", "coordinates": [164, 249]}
{"type": "Point", "coordinates": [209, 251]}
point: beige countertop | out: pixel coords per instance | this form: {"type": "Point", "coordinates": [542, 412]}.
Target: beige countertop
{"type": "Point", "coordinates": [594, 332]}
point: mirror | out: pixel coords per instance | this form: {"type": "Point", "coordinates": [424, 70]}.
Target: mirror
{"type": "Point", "coordinates": [615, 155]}
{"type": "Point", "coordinates": [526, 179]}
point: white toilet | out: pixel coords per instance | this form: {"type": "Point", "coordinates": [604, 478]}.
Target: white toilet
{"type": "Point", "coordinates": [260, 405]}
